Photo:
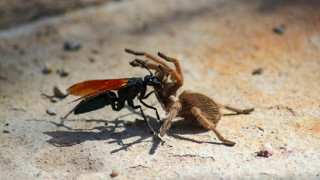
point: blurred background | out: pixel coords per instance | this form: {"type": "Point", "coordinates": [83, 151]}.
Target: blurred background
{"type": "Point", "coordinates": [16, 12]}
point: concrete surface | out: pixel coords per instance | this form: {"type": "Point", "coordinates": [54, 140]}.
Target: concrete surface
{"type": "Point", "coordinates": [219, 44]}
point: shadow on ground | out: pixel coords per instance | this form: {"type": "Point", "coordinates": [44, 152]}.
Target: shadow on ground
{"type": "Point", "coordinates": [70, 136]}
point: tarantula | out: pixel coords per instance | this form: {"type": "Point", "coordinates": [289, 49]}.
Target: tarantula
{"type": "Point", "coordinates": [192, 106]}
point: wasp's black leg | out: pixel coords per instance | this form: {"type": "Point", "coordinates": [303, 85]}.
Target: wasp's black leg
{"type": "Point", "coordinates": [65, 117]}
{"type": "Point", "coordinates": [146, 96]}
{"type": "Point", "coordinates": [130, 103]}
{"type": "Point", "coordinates": [151, 107]}
{"type": "Point", "coordinates": [120, 105]}
{"type": "Point", "coordinates": [112, 99]}
{"type": "Point", "coordinates": [113, 105]}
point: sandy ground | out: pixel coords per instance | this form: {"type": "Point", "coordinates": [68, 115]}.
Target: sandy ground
{"type": "Point", "coordinates": [219, 44]}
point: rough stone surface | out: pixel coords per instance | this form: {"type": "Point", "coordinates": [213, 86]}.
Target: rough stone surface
{"type": "Point", "coordinates": [219, 44]}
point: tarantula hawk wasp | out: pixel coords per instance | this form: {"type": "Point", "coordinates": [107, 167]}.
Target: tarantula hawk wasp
{"type": "Point", "coordinates": [96, 94]}
{"type": "Point", "coordinates": [192, 106]}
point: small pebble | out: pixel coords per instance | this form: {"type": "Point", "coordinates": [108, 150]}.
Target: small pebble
{"type": "Point", "coordinates": [72, 45]}
{"type": "Point", "coordinates": [278, 29]}
{"type": "Point", "coordinates": [114, 173]}
{"type": "Point", "coordinates": [92, 59]}
{"type": "Point", "coordinates": [257, 71]}
{"type": "Point", "coordinates": [268, 147]}
{"type": "Point", "coordinates": [59, 91]}
{"type": "Point", "coordinates": [63, 72]}
{"type": "Point", "coordinates": [267, 150]}
{"type": "Point", "coordinates": [51, 111]}
{"type": "Point", "coordinates": [47, 69]}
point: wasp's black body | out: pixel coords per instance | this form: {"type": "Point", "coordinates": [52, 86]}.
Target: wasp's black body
{"type": "Point", "coordinates": [130, 89]}
{"type": "Point", "coordinates": [136, 88]}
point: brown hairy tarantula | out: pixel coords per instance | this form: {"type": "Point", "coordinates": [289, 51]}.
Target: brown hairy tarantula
{"type": "Point", "coordinates": [191, 106]}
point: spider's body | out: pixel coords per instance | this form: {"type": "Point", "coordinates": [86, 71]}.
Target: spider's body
{"type": "Point", "coordinates": [191, 100]}
{"type": "Point", "coordinates": [192, 106]}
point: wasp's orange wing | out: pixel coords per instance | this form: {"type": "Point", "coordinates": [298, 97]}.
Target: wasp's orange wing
{"type": "Point", "coordinates": [92, 87]}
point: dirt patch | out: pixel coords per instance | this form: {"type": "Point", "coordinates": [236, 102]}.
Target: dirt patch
{"type": "Point", "coordinates": [50, 161]}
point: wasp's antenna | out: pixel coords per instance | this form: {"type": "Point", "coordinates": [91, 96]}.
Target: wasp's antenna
{"type": "Point", "coordinates": [148, 69]}
{"type": "Point", "coordinates": [140, 62]}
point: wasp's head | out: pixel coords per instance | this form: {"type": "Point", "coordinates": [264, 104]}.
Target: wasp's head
{"type": "Point", "coordinates": [152, 81]}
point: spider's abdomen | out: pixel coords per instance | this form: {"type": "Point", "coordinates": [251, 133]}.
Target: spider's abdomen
{"type": "Point", "coordinates": [209, 109]}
